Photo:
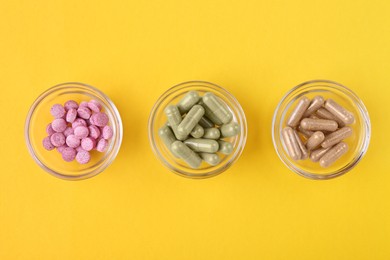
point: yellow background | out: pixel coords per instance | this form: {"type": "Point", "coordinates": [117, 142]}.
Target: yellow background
{"type": "Point", "coordinates": [136, 209]}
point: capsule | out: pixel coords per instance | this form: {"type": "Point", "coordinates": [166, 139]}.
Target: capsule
{"type": "Point", "coordinates": [209, 114]}
{"type": "Point", "coordinates": [185, 153]}
{"type": "Point", "coordinates": [325, 114]}
{"type": "Point", "coordinates": [197, 132]}
{"type": "Point", "coordinates": [339, 111]}
{"type": "Point", "coordinates": [291, 143]}
{"type": "Point", "coordinates": [190, 120]}
{"type": "Point", "coordinates": [210, 158]}
{"type": "Point", "coordinates": [205, 122]}
{"type": "Point", "coordinates": [316, 155]}
{"type": "Point", "coordinates": [306, 133]}
{"type": "Point", "coordinates": [314, 116]}
{"type": "Point", "coordinates": [174, 120]}
{"type": "Point", "coordinates": [188, 101]}
{"type": "Point", "coordinates": [229, 130]}
{"type": "Point", "coordinates": [302, 146]}
{"type": "Point", "coordinates": [315, 104]}
{"type": "Point", "coordinates": [298, 112]}
{"type": "Point", "coordinates": [212, 133]}
{"type": "Point", "coordinates": [315, 140]}
{"type": "Point", "coordinates": [318, 124]}
{"type": "Point", "coordinates": [202, 145]}
{"type": "Point", "coordinates": [225, 147]}
{"type": "Point", "coordinates": [333, 154]}
{"type": "Point", "coordinates": [218, 108]}
{"type": "Point", "coordinates": [337, 137]}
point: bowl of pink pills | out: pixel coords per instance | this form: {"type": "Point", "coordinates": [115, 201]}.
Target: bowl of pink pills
{"type": "Point", "coordinates": [73, 131]}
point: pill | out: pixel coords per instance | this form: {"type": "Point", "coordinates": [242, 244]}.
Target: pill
{"type": "Point", "coordinates": [84, 112]}
{"type": "Point", "coordinates": [314, 116]}
{"type": "Point", "coordinates": [79, 122]}
{"type": "Point", "coordinates": [174, 120]}
{"type": "Point", "coordinates": [225, 147]}
{"type": "Point", "coordinates": [306, 133]}
{"type": "Point", "coordinates": [68, 154]}
{"type": "Point", "coordinates": [202, 145]}
{"type": "Point", "coordinates": [47, 143]}
{"type": "Point", "coordinates": [316, 155]}
{"type": "Point", "coordinates": [197, 132]}
{"type": "Point", "coordinates": [339, 111]}
{"type": "Point", "coordinates": [88, 143]}
{"type": "Point", "coordinates": [78, 149]}
{"type": "Point", "coordinates": [217, 108]}
{"type": "Point", "coordinates": [190, 120]}
{"type": "Point", "coordinates": [210, 158]}
{"type": "Point", "coordinates": [61, 148]}
{"type": "Point", "coordinates": [298, 112]}
{"type": "Point", "coordinates": [94, 131]}
{"type": "Point", "coordinates": [83, 104]}
{"type": "Point", "coordinates": [315, 104]}
{"type": "Point", "coordinates": [315, 140]}
{"type": "Point", "coordinates": [209, 114]}
{"type": "Point", "coordinates": [302, 147]}
{"type": "Point", "coordinates": [325, 114]}
{"type": "Point", "coordinates": [102, 145]}
{"type": "Point", "coordinates": [58, 125]}
{"type": "Point", "coordinates": [49, 130]}
{"type": "Point", "coordinates": [205, 122]}
{"type": "Point", "coordinates": [72, 141]}
{"type": "Point", "coordinates": [337, 136]}
{"type": "Point", "coordinates": [100, 119]}
{"type": "Point", "coordinates": [333, 154]}
{"type": "Point", "coordinates": [107, 132]}
{"type": "Point", "coordinates": [185, 153]}
{"type": "Point", "coordinates": [71, 115]}
{"type": "Point", "coordinates": [318, 124]}
{"type": "Point", "coordinates": [94, 105]}
{"type": "Point", "coordinates": [230, 129]}
{"type": "Point", "coordinates": [57, 111]}
{"type": "Point", "coordinates": [71, 104]}
{"type": "Point", "coordinates": [81, 132]}
{"type": "Point", "coordinates": [188, 101]}
{"type": "Point", "coordinates": [83, 157]}
{"type": "Point", "coordinates": [291, 143]}
{"type": "Point", "coordinates": [212, 133]}
{"type": "Point", "coordinates": [167, 137]}
{"type": "Point", "coordinates": [68, 131]}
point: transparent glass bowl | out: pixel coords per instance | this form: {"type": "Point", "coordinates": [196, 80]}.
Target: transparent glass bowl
{"type": "Point", "coordinates": [358, 142]}
{"type": "Point", "coordinates": [157, 119]}
{"type": "Point", "coordinates": [39, 117]}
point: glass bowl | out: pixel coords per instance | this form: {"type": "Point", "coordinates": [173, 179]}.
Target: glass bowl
{"type": "Point", "coordinates": [358, 142]}
{"type": "Point", "coordinates": [157, 119]}
{"type": "Point", "coordinates": [39, 117]}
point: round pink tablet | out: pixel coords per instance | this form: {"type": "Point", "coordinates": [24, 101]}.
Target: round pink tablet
{"type": "Point", "coordinates": [68, 154]}
{"type": "Point", "coordinates": [49, 130]}
{"type": "Point", "coordinates": [58, 125]}
{"type": "Point", "coordinates": [79, 148]}
{"type": "Point", "coordinates": [61, 148]}
{"type": "Point", "coordinates": [83, 104]}
{"type": "Point", "coordinates": [81, 132]}
{"type": "Point", "coordinates": [100, 119]}
{"type": "Point", "coordinates": [83, 157]}
{"type": "Point", "coordinates": [78, 122]}
{"type": "Point", "coordinates": [95, 106]}
{"type": "Point", "coordinates": [68, 131]}
{"type": "Point", "coordinates": [107, 132]}
{"type": "Point", "coordinates": [57, 111]}
{"type": "Point", "coordinates": [102, 145]}
{"type": "Point", "coordinates": [88, 143]}
{"type": "Point", "coordinates": [57, 139]}
{"type": "Point", "coordinates": [71, 115]}
{"type": "Point", "coordinates": [84, 112]}
{"type": "Point", "coordinates": [47, 143]}
{"type": "Point", "coordinates": [73, 141]}
{"type": "Point", "coordinates": [70, 104]}
{"type": "Point", "coordinates": [94, 131]}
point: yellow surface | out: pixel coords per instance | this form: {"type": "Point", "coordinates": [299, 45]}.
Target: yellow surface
{"type": "Point", "coordinates": [137, 209]}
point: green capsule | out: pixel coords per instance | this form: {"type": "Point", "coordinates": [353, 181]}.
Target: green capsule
{"type": "Point", "coordinates": [209, 114]}
{"type": "Point", "coordinates": [229, 130]}
{"type": "Point", "coordinates": [202, 145]}
{"type": "Point", "coordinates": [225, 147]}
{"type": "Point", "coordinates": [188, 101]}
{"type": "Point", "coordinates": [174, 120]}
{"type": "Point", "coordinates": [211, 158]}
{"type": "Point", "coordinates": [211, 133]}
{"type": "Point", "coordinates": [217, 107]}
{"type": "Point", "coordinates": [190, 120]}
{"type": "Point", "coordinates": [185, 153]}
{"type": "Point", "coordinates": [197, 132]}
{"type": "Point", "coordinates": [205, 122]}
{"type": "Point", "coordinates": [167, 137]}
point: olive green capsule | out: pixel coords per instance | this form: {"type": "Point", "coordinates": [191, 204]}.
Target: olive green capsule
{"type": "Point", "coordinates": [174, 120]}
{"type": "Point", "coordinates": [229, 130]}
{"type": "Point", "coordinates": [188, 101]}
{"type": "Point", "coordinates": [202, 145]}
{"type": "Point", "coordinates": [167, 137]}
{"type": "Point", "coordinates": [211, 133]}
{"type": "Point", "coordinates": [210, 158]}
{"type": "Point", "coordinates": [225, 147]}
{"type": "Point", "coordinates": [185, 153]}
{"type": "Point", "coordinates": [190, 120]}
{"type": "Point", "coordinates": [205, 122]}
{"type": "Point", "coordinates": [209, 114]}
{"type": "Point", "coordinates": [217, 107]}
{"type": "Point", "coordinates": [197, 132]}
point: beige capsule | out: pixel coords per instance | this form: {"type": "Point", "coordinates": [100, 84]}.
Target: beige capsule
{"type": "Point", "coordinates": [298, 112]}
{"type": "Point", "coordinates": [306, 133]}
{"type": "Point", "coordinates": [197, 131]}
{"type": "Point", "coordinates": [185, 153]}
{"type": "Point", "coordinates": [337, 137]}
{"type": "Point", "coordinates": [314, 116]}
{"type": "Point", "coordinates": [188, 101]}
{"type": "Point", "coordinates": [339, 111]}
{"type": "Point", "coordinates": [315, 140]}
{"type": "Point", "coordinates": [316, 155]}
{"type": "Point", "coordinates": [210, 158]}
{"type": "Point", "coordinates": [325, 114]}
{"type": "Point", "coordinates": [315, 104]}
{"type": "Point", "coordinates": [302, 147]}
{"type": "Point", "coordinates": [291, 143]}
{"type": "Point", "coordinates": [318, 124]}
{"type": "Point", "coordinates": [333, 154]}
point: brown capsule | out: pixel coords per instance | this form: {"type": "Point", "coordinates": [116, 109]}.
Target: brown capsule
{"type": "Point", "coordinates": [315, 140]}
{"type": "Point", "coordinates": [316, 155]}
{"type": "Point", "coordinates": [298, 112]}
{"type": "Point", "coordinates": [315, 104]}
{"type": "Point", "coordinates": [325, 114]}
{"type": "Point", "coordinates": [306, 133]}
{"type": "Point", "coordinates": [318, 124]}
{"type": "Point", "coordinates": [337, 137]}
{"type": "Point", "coordinates": [339, 111]}
{"type": "Point", "coordinates": [333, 154]}
{"type": "Point", "coordinates": [314, 116]}
{"type": "Point", "coordinates": [291, 143]}
{"type": "Point", "coordinates": [302, 147]}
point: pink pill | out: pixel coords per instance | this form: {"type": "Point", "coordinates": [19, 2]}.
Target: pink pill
{"type": "Point", "coordinates": [49, 130]}
{"type": "Point", "coordinates": [71, 115]}
{"type": "Point", "coordinates": [84, 112]}
{"type": "Point", "coordinates": [61, 148]}
{"type": "Point", "coordinates": [95, 106]}
{"type": "Point", "coordinates": [84, 104]}
{"type": "Point", "coordinates": [73, 141]}
{"type": "Point", "coordinates": [57, 139]}
{"type": "Point", "coordinates": [47, 143]}
{"type": "Point", "coordinates": [107, 132]}
{"type": "Point", "coordinates": [79, 148]}
{"type": "Point", "coordinates": [78, 122]}
{"type": "Point", "coordinates": [68, 131]}
{"type": "Point", "coordinates": [68, 154]}
{"type": "Point", "coordinates": [81, 132]}
{"type": "Point", "coordinates": [102, 145]}
{"type": "Point", "coordinates": [83, 157]}
{"type": "Point", "coordinates": [100, 119]}
{"type": "Point", "coordinates": [57, 111]}
{"type": "Point", "coordinates": [94, 131]}
{"type": "Point", "coordinates": [88, 143]}
{"type": "Point", "coordinates": [71, 104]}
{"type": "Point", "coordinates": [58, 125]}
